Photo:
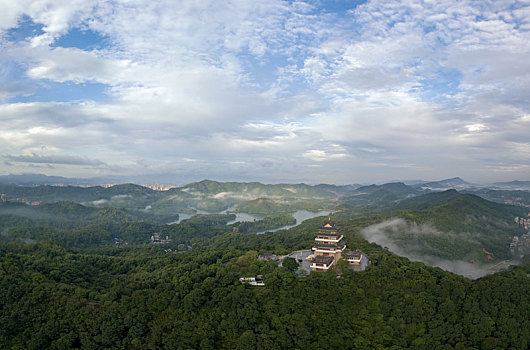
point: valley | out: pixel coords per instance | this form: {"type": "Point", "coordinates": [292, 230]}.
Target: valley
{"type": "Point", "coordinates": [130, 267]}
{"type": "Point", "coordinates": [459, 231]}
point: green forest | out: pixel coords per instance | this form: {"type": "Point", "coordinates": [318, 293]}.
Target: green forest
{"type": "Point", "coordinates": [144, 297]}
{"type": "Point", "coordinates": [267, 223]}
{"type": "Point", "coordinates": [74, 276]}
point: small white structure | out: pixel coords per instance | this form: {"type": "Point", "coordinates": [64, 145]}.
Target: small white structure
{"type": "Point", "coordinates": [253, 281]}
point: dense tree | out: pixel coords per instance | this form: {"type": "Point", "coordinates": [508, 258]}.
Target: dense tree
{"type": "Point", "coordinates": [291, 264]}
{"type": "Point", "coordinates": [66, 284]}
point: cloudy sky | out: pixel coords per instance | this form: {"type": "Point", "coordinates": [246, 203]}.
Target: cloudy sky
{"type": "Point", "coordinates": [316, 91]}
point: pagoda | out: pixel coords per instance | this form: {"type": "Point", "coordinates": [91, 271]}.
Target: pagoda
{"type": "Point", "coordinates": [328, 247]}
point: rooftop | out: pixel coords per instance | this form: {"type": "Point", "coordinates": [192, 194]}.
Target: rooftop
{"type": "Point", "coordinates": [329, 245]}
{"type": "Point", "coordinates": [329, 225]}
{"type": "Point", "coordinates": [320, 259]}
{"type": "Point", "coordinates": [354, 253]}
{"type": "Point", "coordinates": [329, 234]}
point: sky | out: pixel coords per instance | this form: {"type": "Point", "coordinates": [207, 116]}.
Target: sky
{"type": "Point", "coordinates": [273, 91]}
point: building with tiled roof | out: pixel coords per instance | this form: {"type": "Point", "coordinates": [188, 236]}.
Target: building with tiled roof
{"type": "Point", "coordinates": [354, 257]}
{"type": "Point", "coordinates": [328, 247]}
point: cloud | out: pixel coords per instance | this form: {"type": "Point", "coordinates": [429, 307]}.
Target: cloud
{"type": "Point", "coordinates": [75, 65]}
{"type": "Point", "coordinates": [15, 88]}
{"type": "Point", "coordinates": [55, 159]}
{"type": "Point", "coordinates": [55, 16]}
{"type": "Point", "coordinates": [432, 86]}
{"type": "Point", "coordinates": [321, 155]}
{"type": "Point", "coordinates": [476, 127]}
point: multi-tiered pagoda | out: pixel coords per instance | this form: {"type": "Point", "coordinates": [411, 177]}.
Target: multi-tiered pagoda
{"type": "Point", "coordinates": [328, 247]}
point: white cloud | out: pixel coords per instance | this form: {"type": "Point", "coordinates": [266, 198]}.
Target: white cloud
{"type": "Point", "coordinates": [320, 155]}
{"type": "Point", "coordinates": [476, 127]}
{"type": "Point", "coordinates": [75, 65]}
{"type": "Point", "coordinates": [54, 159]}
{"type": "Point", "coordinates": [15, 88]}
{"type": "Point", "coordinates": [278, 85]}
{"type": "Point", "coordinates": [56, 16]}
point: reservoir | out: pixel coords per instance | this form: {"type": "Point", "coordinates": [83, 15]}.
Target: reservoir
{"type": "Point", "coordinates": [299, 215]}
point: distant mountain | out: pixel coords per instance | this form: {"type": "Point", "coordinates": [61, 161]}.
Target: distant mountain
{"type": "Point", "coordinates": [460, 204]}
{"type": "Point", "coordinates": [413, 182]}
{"type": "Point", "coordinates": [207, 195]}
{"type": "Point", "coordinates": [264, 206]}
{"type": "Point", "coordinates": [338, 189]}
{"type": "Point", "coordinates": [428, 200]}
{"type": "Point", "coordinates": [120, 196]}
{"type": "Point", "coordinates": [214, 196]}
{"type": "Point", "coordinates": [378, 195]}
{"type": "Point", "coordinates": [255, 190]}
{"type": "Point", "coordinates": [41, 179]}
{"type": "Point", "coordinates": [514, 197]}
{"type": "Point", "coordinates": [47, 213]}
{"type": "Point", "coordinates": [36, 179]}
{"type": "Point", "coordinates": [397, 188]}
{"type": "Point", "coordinates": [454, 183]}
{"type": "Point", "coordinates": [512, 185]}
{"type": "Point", "coordinates": [253, 197]}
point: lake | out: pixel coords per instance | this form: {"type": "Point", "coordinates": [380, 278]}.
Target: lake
{"type": "Point", "coordinates": [300, 216]}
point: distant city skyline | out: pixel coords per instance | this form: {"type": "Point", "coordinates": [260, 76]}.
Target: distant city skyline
{"type": "Point", "coordinates": [336, 92]}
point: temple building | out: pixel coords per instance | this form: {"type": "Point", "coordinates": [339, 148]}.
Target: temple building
{"type": "Point", "coordinates": [328, 247]}
{"type": "Point", "coordinates": [354, 257]}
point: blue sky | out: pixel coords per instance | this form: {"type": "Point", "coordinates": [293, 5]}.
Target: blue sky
{"type": "Point", "coordinates": [277, 91]}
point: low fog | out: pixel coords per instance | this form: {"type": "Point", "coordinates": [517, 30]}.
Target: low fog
{"type": "Point", "coordinates": [389, 234]}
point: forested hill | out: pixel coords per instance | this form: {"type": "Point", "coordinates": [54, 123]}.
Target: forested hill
{"type": "Point", "coordinates": [253, 197]}
{"type": "Point", "coordinates": [50, 194]}
{"type": "Point", "coordinates": [465, 224]}
{"type": "Point", "coordinates": [377, 196]}
{"type": "Point", "coordinates": [204, 188]}
{"type": "Point", "coordinates": [451, 210]}
{"type": "Point", "coordinates": [453, 226]}
{"type": "Point", "coordinates": [84, 276]}
{"type": "Point", "coordinates": [207, 195]}
{"type": "Point", "coordinates": [213, 187]}
{"type": "Point", "coordinates": [146, 298]}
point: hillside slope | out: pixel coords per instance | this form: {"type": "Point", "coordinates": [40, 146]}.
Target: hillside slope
{"type": "Point", "coordinates": [449, 225]}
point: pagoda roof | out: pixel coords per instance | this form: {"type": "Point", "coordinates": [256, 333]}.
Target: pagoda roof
{"type": "Point", "coordinates": [355, 253]}
{"type": "Point", "coordinates": [320, 259]}
{"type": "Point", "coordinates": [329, 245]}
{"type": "Point", "coordinates": [330, 233]}
{"type": "Point", "coordinates": [329, 225]}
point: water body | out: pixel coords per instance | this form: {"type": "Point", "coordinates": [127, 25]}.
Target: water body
{"type": "Point", "coordinates": [300, 216]}
{"type": "Point", "coordinates": [184, 216]}
{"type": "Point", "coordinates": [244, 217]}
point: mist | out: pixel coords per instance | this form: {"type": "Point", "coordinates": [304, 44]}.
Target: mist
{"type": "Point", "coordinates": [389, 234]}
